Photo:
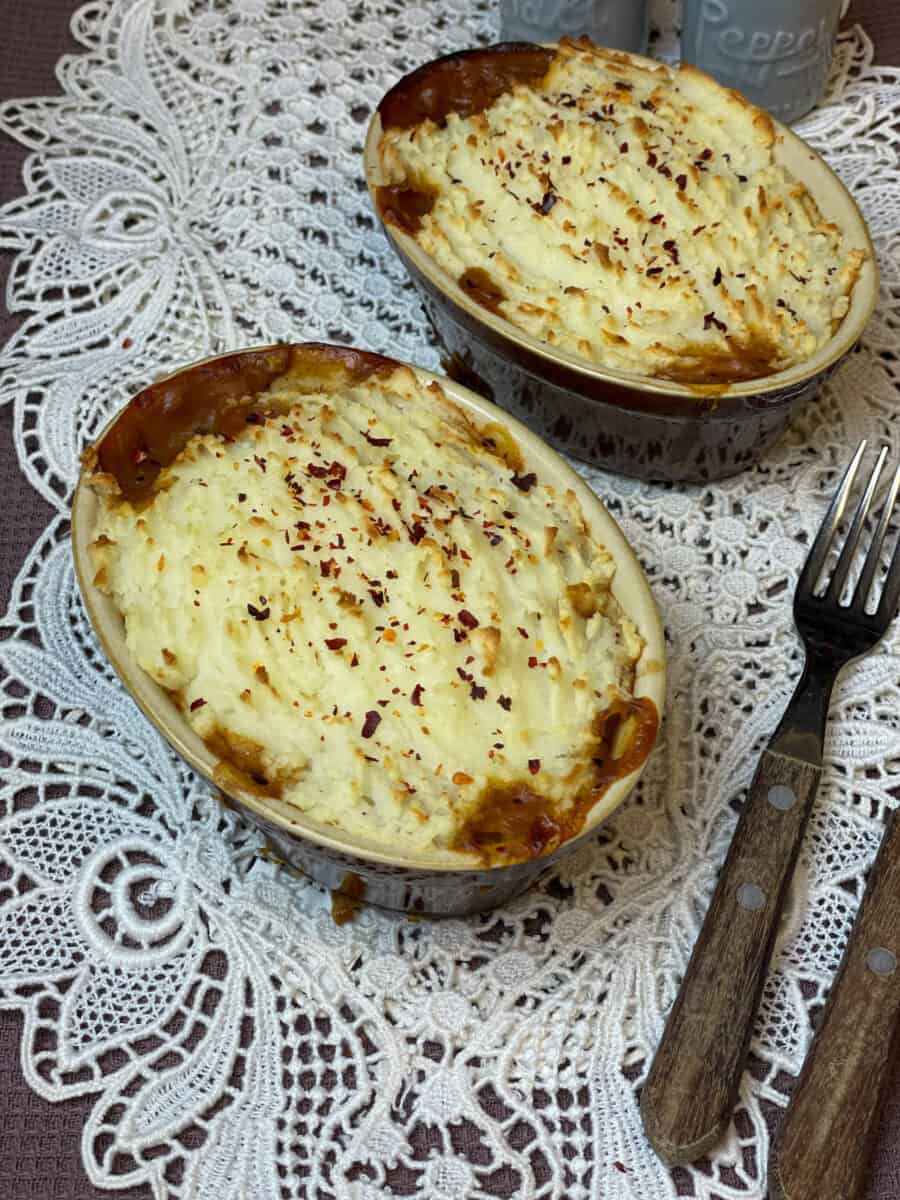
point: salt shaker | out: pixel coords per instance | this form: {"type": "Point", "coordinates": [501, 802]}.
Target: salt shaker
{"type": "Point", "coordinates": [619, 24]}
{"type": "Point", "coordinates": [777, 53]}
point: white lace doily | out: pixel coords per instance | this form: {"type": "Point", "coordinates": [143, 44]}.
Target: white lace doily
{"type": "Point", "coordinates": [197, 187]}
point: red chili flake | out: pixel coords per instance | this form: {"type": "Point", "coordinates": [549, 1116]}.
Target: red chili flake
{"type": "Point", "coordinates": [623, 149]}
{"type": "Point", "coordinates": [376, 441]}
{"type": "Point", "coordinates": [681, 180]}
{"type": "Point", "coordinates": [371, 723]}
{"type": "Point", "coordinates": [328, 568]}
{"type": "Point", "coordinates": [521, 631]}
{"type": "Point", "coordinates": [707, 154]}
{"type": "Point", "coordinates": [127, 343]}
{"type": "Point", "coordinates": [458, 635]}
{"type": "Point", "coordinates": [525, 482]}
{"type": "Point", "coordinates": [648, 106]}
{"type": "Point", "coordinates": [354, 661]}
{"type": "Point", "coordinates": [464, 675]}
{"type": "Point", "coordinates": [258, 614]}
{"type": "Point", "coordinates": [664, 171]}
{"type": "Point", "coordinates": [316, 471]}
{"type": "Point", "coordinates": [260, 462]}
{"type": "Point", "coordinates": [534, 765]}
{"type": "Point", "coordinates": [652, 160]}
{"type": "Point", "coordinates": [416, 533]}
{"type": "Point", "coordinates": [711, 319]}
{"type": "Point", "coordinates": [623, 86]}
{"type": "Point", "coordinates": [242, 496]}
{"type": "Point", "coordinates": [699, 229]}
{"type": "Point", "coordinates": [505, 702]}
{"type": "Point", "coordinates": [717, 278]}
{"type": "Point", "coordinates": [467, 619]}
{"type": "Point", "coordinates": [510, 516]}
{"type": "Point", "coordinates": [454, 579]}
{"type": "Point", "coordinates": [656, 219]}
{"type": "Point", "coordinates": [654, 271]}
{"type": "Point", "coordinates": [198, 703]}
{"type": "Point", "coordinates": [377, 596]}
{"type": "Point", "coordinates": [532, 661]}
{"type": "Point", "coordinates": [671, 248]}
{"type": "Point", "coordinates": [477, 692]}
{"type": "Point", "coordinates": [566, 159]}
{"type": "Point", "coordinates": [395, 504]}
{"type": "Point", "coordinates": [335, 643]}
{"type": "Point", "coordinates": [338, 470]}
{"type": "Point", "coordinates": [416, 697]}
{"type": "Point", "coordinates": [382, 526]}
{"type": "Point", "coordinates": [620, 1167]}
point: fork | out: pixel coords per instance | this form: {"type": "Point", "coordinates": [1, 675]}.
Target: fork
{"type": "Point", "coordinates": [691, 1089]}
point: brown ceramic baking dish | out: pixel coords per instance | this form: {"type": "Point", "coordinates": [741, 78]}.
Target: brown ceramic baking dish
{"type": "Point", "coordinates": [637, 425]}
{"type": "Point", "coordinates": [219, 395]}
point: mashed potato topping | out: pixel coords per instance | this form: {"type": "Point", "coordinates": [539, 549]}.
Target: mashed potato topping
{"type": "Point", "coordinates": [374, 611]}
{"type": "Point", "coordinates": [632, 216]}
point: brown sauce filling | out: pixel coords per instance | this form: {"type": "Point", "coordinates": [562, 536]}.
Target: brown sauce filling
{"type": "Point", "coordinates": [240, 764]}
{"type": "Point", "coordinates": [501, 441]}
{"type": "Point", "coordinates": [476, 282]}
{"type": "Point", "coordinates": [464, 83]}
{"type": "Point", "coordinates": [752, 359]}
{"type": "Point", "coordinates": [404, 206]}
{"type": "Point", "coordinates": [514, 822]}
{"type": "Point", "coordinates": [346, 900]}
{"type": "Point", "coordinates": [216, 397]}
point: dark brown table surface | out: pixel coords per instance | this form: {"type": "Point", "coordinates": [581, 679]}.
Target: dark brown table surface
{"type": "Point", "coordinates": [40, 1142]}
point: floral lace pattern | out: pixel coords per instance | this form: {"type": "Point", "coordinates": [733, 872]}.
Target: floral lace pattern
{"type": "Point", "coordinates": [198, 186]}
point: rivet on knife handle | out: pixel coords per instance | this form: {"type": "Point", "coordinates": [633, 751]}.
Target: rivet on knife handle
{"type": "Point", "coordinates": [825, 1139]}
{"type": "Point", "coordinates": [689, 1095]}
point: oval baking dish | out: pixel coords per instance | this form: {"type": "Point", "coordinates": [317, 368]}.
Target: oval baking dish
{"type": "Point", "coordinates": [222, 396]}
{"type": "Point", "coordinates": [641, 425]}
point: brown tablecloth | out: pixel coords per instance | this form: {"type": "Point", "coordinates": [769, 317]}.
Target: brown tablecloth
{"type": "Point", "coordinates": [39, 1142]}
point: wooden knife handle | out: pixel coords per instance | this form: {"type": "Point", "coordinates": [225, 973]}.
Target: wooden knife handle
{"type": "Point", "coordinates": [689, 1096]}
{"type": "Point", "coordinates": [825, 1140]}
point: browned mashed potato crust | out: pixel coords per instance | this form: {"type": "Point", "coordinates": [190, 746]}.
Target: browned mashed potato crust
{"type": "Point", "coordinates": [631, 215]}
{"type": "Point", "coordinates": [370, 609]}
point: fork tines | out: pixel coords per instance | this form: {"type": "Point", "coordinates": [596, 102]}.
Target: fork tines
{"type": "Point", "coordinates": [819, 550]}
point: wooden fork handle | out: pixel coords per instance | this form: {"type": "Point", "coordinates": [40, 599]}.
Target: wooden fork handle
{"type": "Point", "coordinates": [692, 1086]}
{"type": "Point", "coordinates": [825, 1139]}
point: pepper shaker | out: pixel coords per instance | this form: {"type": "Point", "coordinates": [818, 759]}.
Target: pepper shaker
{"type": "Point", "coordinates": [618, 24]}
{"type": "Point", "coordinates": [778, 54]}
